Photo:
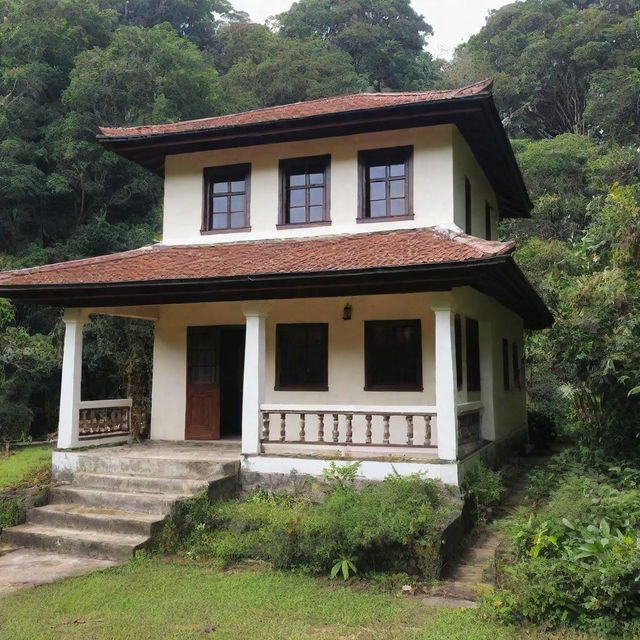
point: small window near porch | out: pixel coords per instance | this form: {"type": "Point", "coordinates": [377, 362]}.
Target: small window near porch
{"type": "Point", "coordinates": [226, 198]}
{"type": "Point", "coordinates": [517, 377]}
{"type": "Point", "coordinates": [302, 357]}
{"type": "Point", "coordinates": [472, 331]}
{"type": "Point", "coordinates": [385, 184]}
{"type": "Point", "coordinates": [305, 191]}
{"type": "Point", "coordinates": [393, 355]}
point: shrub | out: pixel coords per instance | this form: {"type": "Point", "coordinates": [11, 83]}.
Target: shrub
{"type": "Point", "coordinates": [483, 488]}
{"type": "Point", "coordinates": [389, 526]}
{"type": "Point", "coordinates": [542, 429]}
{"type": "Point", "coordinates": [11, 512]}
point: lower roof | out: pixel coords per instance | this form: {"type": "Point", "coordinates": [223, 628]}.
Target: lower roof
{"type": "Point", "coordinates": [379, 262]}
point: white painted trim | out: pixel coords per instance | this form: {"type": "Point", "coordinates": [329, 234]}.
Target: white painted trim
{"type": "Point", "coordinates": [346, 408]}
{"type": "Point", "coordinates": [466, 407]}
{"type": "Point", "coordinates": [105, 404]}
{"type": "Point", "coordinates": [355, 450]}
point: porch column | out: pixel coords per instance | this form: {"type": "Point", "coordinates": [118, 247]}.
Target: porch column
{"type": "Point", "coordinates": [446, 382]}
{"type": "Point", "coordinates": [254, 374]}
{"type": "Point", "coordinates": [488, 380]}
{"type": "Point", "coordinates": [70, 389]}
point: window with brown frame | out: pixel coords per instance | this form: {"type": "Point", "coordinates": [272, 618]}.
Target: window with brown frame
{"type": "Point", "coordinates": [458, 339]}
{"type": "Point", "coordinates": [487, 221]}
{"type": "Point", "coordinates": [506, 379]}
{"type": "Point", "coordinates": [517, 378]}
{"type": "Point", "coordinates": [393, 355]}
{"type": "Point", "coordinates": [304, 191]}
{"type": "Point", "coordinates": [226, 198]}
{"type": "Point", "coordinates": [467, 206]}
{"type": "Point", "coordinates": [472, 330]}
{"type": "Point", "coordinates": [302, 357]}
{"type": "Point", "coordinates": [386, 190]}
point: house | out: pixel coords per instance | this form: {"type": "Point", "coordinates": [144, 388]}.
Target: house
{"type": "Point", "coordinates": [328, 285]}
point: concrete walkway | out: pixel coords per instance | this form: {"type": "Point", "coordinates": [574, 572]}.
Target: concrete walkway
{"type": "Point", "coordinates": [25, 568]}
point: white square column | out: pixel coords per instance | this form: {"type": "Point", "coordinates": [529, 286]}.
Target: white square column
{"type": "Point", "coordinates": [489, 381]}
{"type": "Point", "coordinates": [70, 389]}
{"type": "Point", "coordinates": [446, 403]}
{"type": "Point", "coordinates": [254, 374]}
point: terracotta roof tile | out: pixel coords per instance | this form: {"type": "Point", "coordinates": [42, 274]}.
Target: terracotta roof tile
{"type": "Point", "coordinates": [324, 106]}
{"type": "Point", "coordinates": [236, 259]}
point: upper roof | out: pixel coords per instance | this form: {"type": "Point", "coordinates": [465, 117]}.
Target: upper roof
{"type": "Point", "coordinates": [470, 108]}
{"type": "Point", "coordinates": [323, 106]}
{"type": "Point", "coordinates": [380, 262]}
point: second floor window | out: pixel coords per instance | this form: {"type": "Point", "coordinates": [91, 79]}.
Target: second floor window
{"type": "Point", "coordinates": [226, 198]}
{"type": "Point", "coordinates": [305, 191]}
{"type": "Point", "coordinates": [385, 177]}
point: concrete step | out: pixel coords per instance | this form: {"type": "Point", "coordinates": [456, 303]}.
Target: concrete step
{"type": "Point", "coordinates": [155, 466]}
{"type": "Point", "coordinates": [82, 518]}
{"type": "Point", "coordinates": [139, 484]}
{"type": "Point", "coordinates": [94, 544]}
{"type": "Point", "coordinates": [155, 503]}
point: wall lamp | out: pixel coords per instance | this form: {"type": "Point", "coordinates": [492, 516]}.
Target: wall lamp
{"type": "Point", "coordinates": [346, 312]}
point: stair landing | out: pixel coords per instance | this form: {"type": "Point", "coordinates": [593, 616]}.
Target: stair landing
{"type": "Point", "coordinates": [107, 502]}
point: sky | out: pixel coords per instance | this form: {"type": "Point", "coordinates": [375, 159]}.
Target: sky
{"type": "Point", "coordinates": [453, 21]}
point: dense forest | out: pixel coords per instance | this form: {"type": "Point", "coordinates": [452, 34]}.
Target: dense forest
{"type": "Point", "coordinates": [567, 84]}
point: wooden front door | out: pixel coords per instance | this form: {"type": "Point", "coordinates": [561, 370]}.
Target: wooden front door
{"type": "Point", "coordinates": [203, 384]}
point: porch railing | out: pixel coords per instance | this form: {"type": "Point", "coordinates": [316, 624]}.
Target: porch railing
{"type": "Point", "coordinates": [104, 419]}
{"type": "Point", "coordinates": [379, 427]}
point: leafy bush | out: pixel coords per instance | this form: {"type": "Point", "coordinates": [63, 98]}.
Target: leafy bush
{"type": "Point", "coordinates": [11, 512]}
{"type": "Point", "coordinates": [483, 488]}
{"type": "Point", "coordinates": [389, 526]}
{"type": "Point", "coordinates": [542, 429]}
{"type": "Point", "coordinates": [577, 557]}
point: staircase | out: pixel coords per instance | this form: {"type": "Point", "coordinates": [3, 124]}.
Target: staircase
{"type": "Point", "coordinates": [116, 499]}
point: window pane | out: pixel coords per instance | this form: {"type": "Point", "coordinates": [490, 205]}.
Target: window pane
{"type": "Point", "coordinates": [296, 215]}
{"type": "Point", "coordinates": [238, 203]}
{"type": "Point", "coordinates": [238, 186]}
{"type": "Point", "coordinates": [297, 180]}
{"type": "Point", "coordinates": [397, 170]}
{"type": "Point", "coordinates": [316, 214]}
{"type": "Point", "coordinates": [220, 187]}
{"type": "Point", "coordinates": [316, 196]}
{"type": "Point", "coordinates": [297, 197]}
{"type": "Point", "coordinates": [473, 354]}
{"type": "Point", "coordinates": [220, 204]}
{"type": "Point", "coordinates": [377, 172]}
{"type": "Point", "coordinates": [397, 188]}
{"type": "Point", "coordinates": [398, 207]}
{"type": "Point", "coordinates": [219, 221]}
{"type": "Point", "coordinates": [302, 355]}
{"type": "Point", "coordinates": [238, 220]}
{"type": "Point", "coordinates": [378, 190]}
{"type": "Point", "coordinates": [316, 178]}
{"type": "Point", "coordinates": [378, 209]}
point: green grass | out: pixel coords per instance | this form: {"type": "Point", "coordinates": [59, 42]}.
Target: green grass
{"type": "Point", "coordinates": [16, 469]}
{"type": "Point", "coordinates": [149, 599]}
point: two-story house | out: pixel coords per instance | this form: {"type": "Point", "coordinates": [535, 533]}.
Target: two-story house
{"type": "Point", "coordinates": [329, 283]}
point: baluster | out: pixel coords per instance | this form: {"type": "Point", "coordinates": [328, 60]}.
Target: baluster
{"type": "Point", "coordinates": [368, 434]}
{"type": "Point", "coordinates": [335, 434]}
{"type": "Point", "coordinates": [321, 427]}
{"type": "Point", "coordinates": [409, 431]}
{"type": "Point", "coordinates": [127, 419]}
{"type": "Point", "coordinates": [349, 438]}
{"type": "Point", "coordinates": [386, 435]}
{"type": "Point", "coordinates": [266, 426]}
{"type": "Point", "coordinates": [283, 427]}
{"type": "Point", "coordinates": [427, 431]}
{"type": "Point", "coordinates": [302, 433]}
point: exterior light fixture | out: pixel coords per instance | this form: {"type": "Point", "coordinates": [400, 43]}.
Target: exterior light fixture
{"type": "Point", "coordinates": [346, 312]}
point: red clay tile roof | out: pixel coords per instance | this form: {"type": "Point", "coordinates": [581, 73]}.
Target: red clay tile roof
{"type": "Point", "coordinates": [291, 256]}
{"type": "Point", "coordinates": [324, 106]}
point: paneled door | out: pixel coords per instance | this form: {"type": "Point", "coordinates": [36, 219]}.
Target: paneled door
{"type": "Point", "coordinates": [203, 384]}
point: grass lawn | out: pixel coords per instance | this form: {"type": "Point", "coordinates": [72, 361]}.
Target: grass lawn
{"type": "Point", "coordinates": [150, 599]}
{"type": "Point", "coordinates": [16, 469]}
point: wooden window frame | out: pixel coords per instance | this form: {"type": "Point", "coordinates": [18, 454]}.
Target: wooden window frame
{"type": "Point", "coordinates": [210, 174]}
{"type": "Point", "coordinates": [468, 207]}
{"type": "Point", "coordinates": [472, 327]}
{"type": "Point", "coordinates": [458, 349]}
{"type": "Point", "coordinates": [368, 364]}
{"type": "Point", "coordinates": [365, 158]}
{"type": "Point", "coordinates": [323, 164]}
{"type": "Point", "coordinates": [323, 385]}
{"type": "Point", "coordinates": [488, 220]}
{"type": "Point", "coordinates": [506, 369]}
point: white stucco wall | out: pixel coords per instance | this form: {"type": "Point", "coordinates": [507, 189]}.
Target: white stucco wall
{"type": "Point", "coordinates": [466, 165]}
{"type": "Point", "coordinates": [504, 409]}
{"type": "Point", "coordinates": [433, 179]}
